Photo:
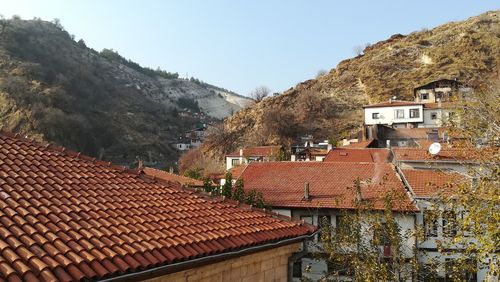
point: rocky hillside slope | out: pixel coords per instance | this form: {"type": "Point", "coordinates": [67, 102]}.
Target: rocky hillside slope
{"type": "Point", "coordinates": [58, 90]}
{"type": "Point", "coordinates": [330, 106]}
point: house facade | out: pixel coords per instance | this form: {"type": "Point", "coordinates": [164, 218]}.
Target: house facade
{"type": "Point", "coordinates": [441, 90]}
{"type": "Point", "coordinates": [252, 154]}
{"type": "Point", "coordinates": [394, 113]}
{"type": "Point", "coordinates": [437, 222]}
{"type": "Point", "coordinates": [69, 217]}
{"type": "Point", "coordinates": [321, 192]}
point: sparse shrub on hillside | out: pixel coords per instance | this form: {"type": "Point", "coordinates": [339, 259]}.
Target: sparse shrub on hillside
{"type": "Point", "coordinates": [260, 93]}
{"type": "Point", "coordinates": [188, 103]}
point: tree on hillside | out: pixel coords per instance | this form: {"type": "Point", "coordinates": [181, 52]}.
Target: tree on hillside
{"type": "Point", "coordinates": [259, 93]}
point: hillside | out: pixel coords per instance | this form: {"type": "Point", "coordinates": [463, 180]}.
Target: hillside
{"type": "Point", "coordinates": [58, 90]}
{"type": "Point", "coordinates": [330, 106]}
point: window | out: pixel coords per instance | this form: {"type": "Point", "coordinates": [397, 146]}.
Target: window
{"type": "Point", "coordinates": [465, 271]}
{"type": "Point", "coordinates": [399, 113]}
{"type": "Point", "coordinates": [324, 224]}
{"type": "Point", "coordinates": [340, 222]}
{"type": "Point", "coordinates": [375, 115]}
{"type": "Point", "coordinates": [414, 113]}
{"type": "Point", "coordinates": [449, 224]}
{"type": "Point", "coordinates": [235, 162]}
{"type": "Point", "coordinates": [434, 115]}
{"type": "Point", "coordinates": [439, 94]}
{"type": "Point", "coordinates": [430, 224]}
{"type": "Point", "coordinates": [307, 219]}
{"type": "Point", "coordinates": [424, 96]}
{"type": "Point", "coordinates": [297, 269]}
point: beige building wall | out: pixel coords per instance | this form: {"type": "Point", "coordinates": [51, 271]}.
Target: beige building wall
{"type": "Point", "coordinates": [265, 266]}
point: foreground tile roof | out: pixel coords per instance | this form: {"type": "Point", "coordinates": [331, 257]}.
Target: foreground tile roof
{"type": "Point", "coordinates": [430, 183]}
{"type": "Point", "coordinates": [331, 184]}
{"type": "Point", "coordinates": [260, 151]}
{"type": "Point", "coordinates": [164, 175]}
{"type": "Point", "coordinates": [367, 155]}
{"type": "Point", "coordinates": [67, 217]}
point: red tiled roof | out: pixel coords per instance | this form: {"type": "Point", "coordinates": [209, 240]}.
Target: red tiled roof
{"type": "Point", "coordinates": [422, 154]}
{"type": "Point", "coordinates": [360, 144]}
{"type": "Point", "coordinates": [368, 155]}
{"type": "Point", "coordinates": [237, 170]}
{"type": "Point", "coordinates": [260, 151]}
{"type": "Point", "coordinates": [393, 104]}
{"type": "Point", "coordinates": [428, 183]}
{"type": "Point", "coordinates": [67, 217]}
{"type": "Point", "coordinates": [164, 175]}
{"type": "Point", "coordinates": [331, 184]}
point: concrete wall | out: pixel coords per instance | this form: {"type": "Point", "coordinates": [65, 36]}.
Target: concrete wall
{"type": "Point", "coordinates": [387, 115]}
{"type": "Point", "coordinates": [270, 265]}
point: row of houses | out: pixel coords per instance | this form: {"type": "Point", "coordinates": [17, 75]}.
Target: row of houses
{"type": "Point", "coordinates": [317, 190]}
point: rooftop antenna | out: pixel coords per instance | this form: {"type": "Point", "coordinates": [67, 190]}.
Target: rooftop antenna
{"type": "Point", "coordinates": [434, 148]}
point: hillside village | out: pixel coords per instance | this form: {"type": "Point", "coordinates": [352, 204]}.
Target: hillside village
{"type": "Point", "coordinates": [410, 194]}
{"type": "Point", "coordinates": [403, 142]}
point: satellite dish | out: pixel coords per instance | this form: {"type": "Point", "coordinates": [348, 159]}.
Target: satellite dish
{"type": "Point", "coordinates": [434, 148]}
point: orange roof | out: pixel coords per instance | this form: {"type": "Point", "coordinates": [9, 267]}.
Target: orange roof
{"type": "Point", "coordinates": [68, 217]}
{"type": "Point", "coordinates": [260, 151]}
{"type": "Point", "coordinates": [237, 170]}
{"type": "Point", "coordinates": [428, 183]}
{"type": "Point", "coordinates": [369, 155]}
{"type": "Point", "coordinates": [393, 104]}
{"type": "Point", "coordinates": [421, 154]}
{"type": "Point", "coordinates": [331, 184]}
{"type": "Point", "coordinates": [360, 144]}
{"type": "Point", "coordinates": [163, 175]}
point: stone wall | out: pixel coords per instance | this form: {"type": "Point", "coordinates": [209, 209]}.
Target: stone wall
{"type": "Point", "coordinates": [269, 265]}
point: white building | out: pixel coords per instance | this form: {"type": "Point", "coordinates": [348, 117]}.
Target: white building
{"type": "Point", "coordinates": [321, 192]}
{"type": "Point", "coordinates": [252, 154]}
{"type": "Point", "coordinates": [437, 222]}
{"type": "Point", "coordinates": [395, 113]}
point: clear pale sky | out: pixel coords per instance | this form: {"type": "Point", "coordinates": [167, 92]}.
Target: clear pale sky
{"type": "Point", "coordinates": [241, 44]}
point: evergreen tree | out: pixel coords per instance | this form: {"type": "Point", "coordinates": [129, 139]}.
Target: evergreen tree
{"type": "Point", "coordinates": [227, 187]}
{"type": "Point", "coordinates": [239, 193]}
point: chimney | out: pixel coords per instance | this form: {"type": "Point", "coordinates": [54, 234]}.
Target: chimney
{"type": "Point", "coordinates": [241, 152]}
{"type": "Point", "coordinates": [140, 165]}
{"type": "Point", "coordinates": [171, 169]}
{"type": "Point", "coordinates": [439, 103]}
{"type": "Point", "coordinates": [306, 191]}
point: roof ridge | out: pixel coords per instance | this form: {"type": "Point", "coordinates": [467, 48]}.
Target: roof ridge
{"type": "Point", "coordinates": [52, 147]}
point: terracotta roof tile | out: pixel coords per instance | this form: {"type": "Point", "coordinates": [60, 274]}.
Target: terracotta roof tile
{"type": "Point", "coordinates": [368, 155]}
{"type": "Point", "coordinates": [64, 216]}
{"type": "Point", "coordinates": [446, 154]}
{"type": "Point", "coordinates": [429, 183]}
{"type": "Point", "coordinates": [163, 175]}
{"type": "Point", "coordinates": [259, 151]}
{"type": "Point", "coordinates": [330, 183]}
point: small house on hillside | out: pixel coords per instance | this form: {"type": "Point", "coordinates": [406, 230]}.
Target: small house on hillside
{"type": "Point", "coordinates": [442, 90]}
{"type": "Point", "coordinates": [398, 114]}
{"type": "Point", "coordinates": [253, 154]}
